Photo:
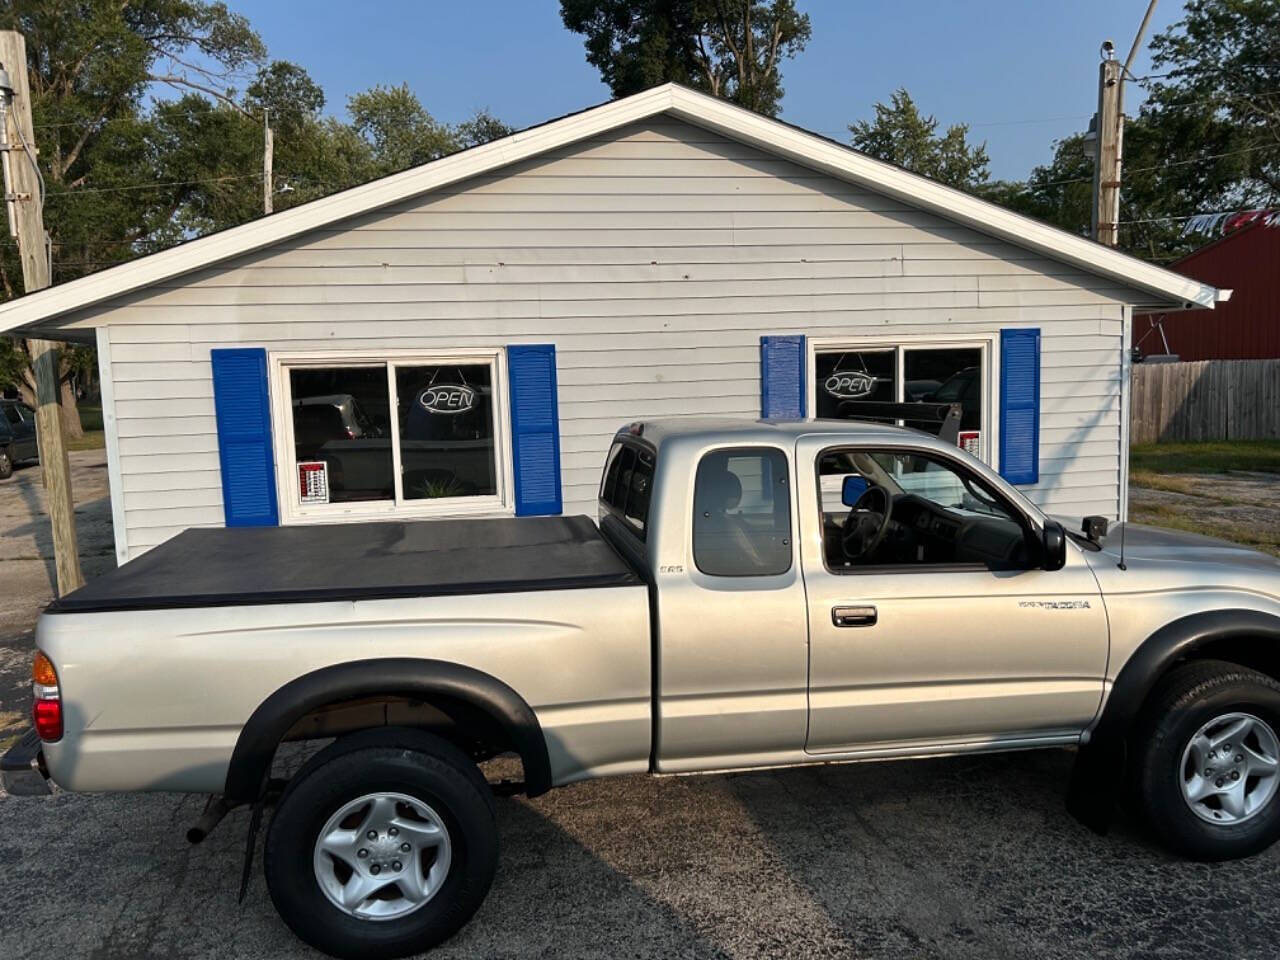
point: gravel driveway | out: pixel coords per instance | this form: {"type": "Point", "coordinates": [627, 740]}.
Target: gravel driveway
{"type": "Point", "coordinates": [965, 857]}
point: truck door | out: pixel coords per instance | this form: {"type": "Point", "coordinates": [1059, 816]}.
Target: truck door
{"type": "Point", "coordinates": [731, 657]}
{"type": "Point", "coordinates": [931, 623]}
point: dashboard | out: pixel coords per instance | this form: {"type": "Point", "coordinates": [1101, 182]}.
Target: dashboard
{"type": "Point", "coordinates": [923, 532]}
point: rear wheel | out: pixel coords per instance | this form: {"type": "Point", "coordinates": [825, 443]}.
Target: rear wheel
{"type": "Point", "coordinates": [383, 845]}
{"type": "Point", "coordinates": [1209, 773]}
{"type": "Point", "coordinates": [6, 464]}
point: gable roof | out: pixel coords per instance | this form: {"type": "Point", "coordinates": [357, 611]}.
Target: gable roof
{"type": "Point", "coordinates": [1169, 290]}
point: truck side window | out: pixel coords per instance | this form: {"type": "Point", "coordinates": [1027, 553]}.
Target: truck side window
{"type": "Point", "coordinates": [628, 480]}
{"type": "Point", "coordinates": [742, 513]}
{"type": "Point", "coordinates": [902, 508]}
{"type": "Point", "coordinates": [637, 508]}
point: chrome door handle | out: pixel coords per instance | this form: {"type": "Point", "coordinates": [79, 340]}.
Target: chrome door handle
{"type": "Point", "coordinates": [853, 616]}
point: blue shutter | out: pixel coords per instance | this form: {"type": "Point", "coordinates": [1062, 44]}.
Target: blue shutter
{"type": "Point", "coordinates": [535, 428]}
{"type": "Point", "coordinates": [1020, 405]}
{"type": "Point", "coordinates": [782, 384]}
{"type": "Point", "coordinates": [240, 399]}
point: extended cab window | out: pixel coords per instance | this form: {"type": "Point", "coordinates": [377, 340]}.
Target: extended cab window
{"type": "Point", "coordinates": [902, 508]}
{"type": "Point", "coordinates": [742, 514]}
{"type": "Point", "coordinates": [627, 484]}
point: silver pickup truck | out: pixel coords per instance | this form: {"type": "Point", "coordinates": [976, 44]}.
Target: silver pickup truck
{"type": "Point", "coordinates": [757, 594]}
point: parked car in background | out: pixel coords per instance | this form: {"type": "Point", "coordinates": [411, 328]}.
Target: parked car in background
{"type": "Point", "coordinates": [17, 436]}
{"type": "Point", "coordinates": [963, 387]}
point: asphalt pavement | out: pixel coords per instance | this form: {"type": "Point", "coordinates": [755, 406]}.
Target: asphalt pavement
{"type": "Point", "coordinates": [962, 857]}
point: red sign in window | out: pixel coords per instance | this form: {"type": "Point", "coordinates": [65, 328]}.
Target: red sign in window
{"type": "Point", "coordinates": [313, 481]}
{"type": "Point", "coordinates": [969, 441]}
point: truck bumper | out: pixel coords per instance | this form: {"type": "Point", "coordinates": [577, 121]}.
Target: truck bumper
{"type": "Point", "coordinates": [22, 770]}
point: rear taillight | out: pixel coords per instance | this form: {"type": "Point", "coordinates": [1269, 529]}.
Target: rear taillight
{"type": "Point", "coordinates": [46, 711]}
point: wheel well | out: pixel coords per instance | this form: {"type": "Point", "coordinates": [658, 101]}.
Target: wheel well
{"type": "Point", "coordinates": [1256, 653]}
{"type": "Point", "coordinates": [468, 727]}
{"type": "Point", "coordinates": [476, 711]}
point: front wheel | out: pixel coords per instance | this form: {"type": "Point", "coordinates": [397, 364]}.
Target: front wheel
{"type": "Point", "coordinates": [1209, 751]}
{"type": "Point", "coordinates": [6, 465]}
{"type": "Point", "coordinates": [383, 845]}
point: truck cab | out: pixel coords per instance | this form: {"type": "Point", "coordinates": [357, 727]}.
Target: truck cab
{"type": "Point", "coordinates": [816, 586]}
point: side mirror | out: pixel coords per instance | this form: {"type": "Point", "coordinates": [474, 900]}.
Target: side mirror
{"type": "Point", "coordinates": [852, 489]}
{"type": "Point", "coordinates": [1054, 556]}
{"type": "Point", "coordinates": [1095, 528]}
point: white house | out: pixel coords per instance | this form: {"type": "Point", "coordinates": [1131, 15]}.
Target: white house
{"type": "Point", "coordinates": [465, 337]}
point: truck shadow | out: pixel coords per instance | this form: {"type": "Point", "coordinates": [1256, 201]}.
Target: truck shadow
{"type": "Point", "coordinates": [962, 857]}
{"type": "Point", "coordinates": [119, 873]}
{"type": "Point", "coordinates": [977, 857]}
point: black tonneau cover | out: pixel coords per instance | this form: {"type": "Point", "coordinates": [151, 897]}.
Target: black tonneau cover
{"type": "Point", "coordinates": [357, 561]}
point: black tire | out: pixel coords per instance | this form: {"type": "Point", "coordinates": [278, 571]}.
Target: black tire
{"type": "Point", "coordinates": [403, 761]}
{"type": "Point", "coordinates": [6, 464]}
{"type": "Point", "coordinates": [1190, 697]}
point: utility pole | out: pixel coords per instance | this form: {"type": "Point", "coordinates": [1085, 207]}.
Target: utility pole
{"type": "Point", "coordinates": [24, 189]}
{"type": "Point", "coordinates": [1107, 166]}
{"type": "Point", "coordinates": [1109, 136]}
{"type": "Point", "coordinates": [268, 149]}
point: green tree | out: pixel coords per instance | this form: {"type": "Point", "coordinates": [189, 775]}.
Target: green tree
{"type": "Point", "coordinates": [729, 48]}
{"type": "Point", "coordinates": [399, 129]}
{"type": "Point", "coordinates": [88, 64]}
{"type": "Point", "coordinates": [1216, 90]}
{"type": "Point", "coordinates": [901, 135]}
{"type": "Point", "coordinates": [481, 128]}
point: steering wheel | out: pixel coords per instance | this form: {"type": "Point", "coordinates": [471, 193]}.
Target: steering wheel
{"type": "Point", "coordinates": [867, 523]}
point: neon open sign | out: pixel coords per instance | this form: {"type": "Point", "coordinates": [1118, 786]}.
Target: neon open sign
{"type": "Point", "coordinates": [447, 398]}
{"type": "Point", "coordinates": [850, 384]}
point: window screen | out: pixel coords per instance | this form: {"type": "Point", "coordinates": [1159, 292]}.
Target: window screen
{"type": "Point", "coordinates": [742, 514]}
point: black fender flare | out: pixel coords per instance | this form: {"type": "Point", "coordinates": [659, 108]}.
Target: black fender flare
{"type": "Point", "coordinates": [1102, 759]}
{"type": "Point", "coordinates": [417, 679]}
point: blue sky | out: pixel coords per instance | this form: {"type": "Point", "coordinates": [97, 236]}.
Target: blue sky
{"type": "Point", "coordinates": [1020, 73]}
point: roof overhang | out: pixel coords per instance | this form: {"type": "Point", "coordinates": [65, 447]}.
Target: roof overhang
{"type": "Point", "coordinates": [1166, 289]}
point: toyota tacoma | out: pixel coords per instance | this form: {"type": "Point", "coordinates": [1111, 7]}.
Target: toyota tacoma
{"type": "Point", "coordinates": [755, 594]}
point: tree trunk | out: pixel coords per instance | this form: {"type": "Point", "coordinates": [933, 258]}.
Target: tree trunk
{"type": "Point", "coordinates": [70, 412]}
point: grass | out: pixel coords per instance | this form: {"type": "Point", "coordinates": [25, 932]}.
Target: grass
{"type": "Point", "coordinates": [1165, 467]}
{"type": "Point", "coordinates": [1206, 457]}
{"type": "Point", "coordinates": [91, 420]}
{"type": "Point", "coordinates": [90, 416]}
{"type": "Point", "coordinates": [11, 727]}
{"type": "Point", "coordinates": [92, 440]}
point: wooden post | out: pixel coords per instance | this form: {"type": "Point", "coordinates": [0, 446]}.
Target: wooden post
{"type": "Point", "coordinates": [1106, 168]}
{"type": "Point", "coordinates": [45, 355]}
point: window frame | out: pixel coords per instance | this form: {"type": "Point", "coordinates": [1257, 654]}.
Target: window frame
{"type": "Point", "coordinates": [1023, 519]}
{"type": "Point", "coordinates": [293, 511]}
{"type": "Point", "coordinates": [984, 340]}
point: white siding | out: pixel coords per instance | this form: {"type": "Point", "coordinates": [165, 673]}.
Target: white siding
{"type": "Point", "coordinates": [654, 258]}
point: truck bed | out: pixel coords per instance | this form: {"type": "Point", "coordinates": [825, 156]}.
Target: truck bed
{"type": "Point", "coordinates": [357, 561]}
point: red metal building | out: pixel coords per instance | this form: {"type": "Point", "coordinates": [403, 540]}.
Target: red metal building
{"type": "Point", "coordinates": [1247, 327]}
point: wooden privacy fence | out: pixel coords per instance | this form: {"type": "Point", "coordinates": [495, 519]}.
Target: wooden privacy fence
{"type": "Point", "coordinates": [1205, 400]}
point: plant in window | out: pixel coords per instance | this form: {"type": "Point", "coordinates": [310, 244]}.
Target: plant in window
{"type": "Point", "coordinates": [437, 487]}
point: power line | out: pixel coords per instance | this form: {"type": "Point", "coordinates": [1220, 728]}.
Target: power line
{"type": "Point", "coordinates": [1011, 123]}
{"type": "Point", "coordinates": [1157, 166]}
{"type": "Point", "coordinates": [150, 186]}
